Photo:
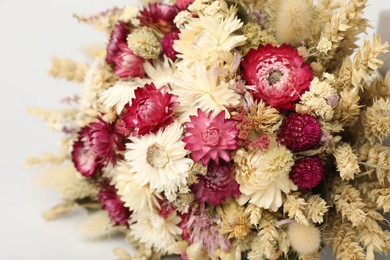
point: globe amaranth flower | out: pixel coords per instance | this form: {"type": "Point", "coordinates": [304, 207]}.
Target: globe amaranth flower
{"type": "Point", "coordinates": [115, 207]}
{"type": "Point", "coordinates": [217, 185]}
{"type": "Point", "coordinates": [96, 147]}
{"type": "Point", "coordinates": [307, 172]}
{"type": "Point", "coordinates": [118, 35]}
{"type": "Point", "coordinates": [150, 110]}
{"type": "Point", "coordinates": [210, 137]}
{"type": "Point", "coordinates": [300, 132]}
{"type": "Point", "coordinates": [127, 64]}
{"type": "Point", "coordinates": [159, 16]}
{"type": "Point", "coordinates": [279, 75]}
{"type": "Point", "coordinates": [167, 44]}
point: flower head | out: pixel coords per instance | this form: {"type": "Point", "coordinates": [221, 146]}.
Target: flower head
{"type": "Point", "coordinates": [127, 64]}
{"type": "Point", "coordinates": [110, 201]}
{"type": "Point", "coordinates": [159, 16]}
{"type": "Point", "coordinates": [159, 159]}
{"type": "Point", "coordinates": [279, 74]}
{"type": "Point", "coordinates": [167, 44]}
{"type": "Point", "coordinates": [183, 4]}
{"type": "Point", "coordinates": [118, 35]}
{"type": "Point", "coordinates": [150, 109]}
{"type": "Point", "coordinates": [300, 132]}
{"type": "Point", "coordinates": [210, 137]}
{"type": "Point", "coordinates": [217, 185]}
{"type": "Point", "coordinates": [307, 172]}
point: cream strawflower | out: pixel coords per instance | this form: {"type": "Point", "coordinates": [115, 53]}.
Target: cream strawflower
{"type": "Point", "coordinates": [159, 159]}
{"type": "Point", "coordinates": [137, 197]}
{"type": "Point", "coordinates": [155, 231]}
{"type": "Point", "coordinates": [120, 94]}
{"type": "Point", "coordinates": [200, 88]}
{"type": "Point", "coordinates": [159, 72]}
{"type": "Point", "coordinates": [263, 176]}
{"type": "Point", "coordinates": [207, 38]}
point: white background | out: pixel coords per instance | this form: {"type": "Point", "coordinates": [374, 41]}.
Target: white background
{"type": "Point", "coordinates": [31, 31]}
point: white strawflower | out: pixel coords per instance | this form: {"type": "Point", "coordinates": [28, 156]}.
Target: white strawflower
{"type": "Point", "coordinates": [207, 38]}
{"type": "Point", "coordinates": [159, 159]}
{"type": "Point", "coordinates": [137, 197]}
{"type": "Point", "coordinates": [155, 231]}
{"type": "Point", "coordinates": [120, 94]}
{"type": "Point", "coordinates": [198, 87]}
{"type": "Point", "coordinates": [263, 176]}
{"type": "Point", "coordinates": [159, 72]}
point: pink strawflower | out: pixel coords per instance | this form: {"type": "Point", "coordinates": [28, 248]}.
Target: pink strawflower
{"type": "Point", "coordinates": [159, 16]}
{"type": "Point", "coordinates": [300, 132]}
{"type": "Point", "coordinates": [127, 64]}
{"type": "Point", "coordinates": [118, 35]}
{"type": "Point", "coordinates": [205, 231]}
{"type": "Point", "coordinates": [279, 75]}
{"type": "Point", "coordinates": [150, 110]}
{"type": "Point", "coordinates": [210, 137]}
{"type": "Point", "coordinates": [217, 185]}
{"type": "Point", "coordinates": [83, 157]}
{"type": "Point", "coordinates": [115, 207]}
{"type": "Point", "coordinates": [167, 44]}
{"type": "Point", "coordinates": [96, 147]}
{"type": "Point", "coordinates": [183, 4]}
{"type": "Point", "coordinates": [307, 172]}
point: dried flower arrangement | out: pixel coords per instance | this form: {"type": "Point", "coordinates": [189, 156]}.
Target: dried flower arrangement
{"type": "Point", "coordinates": [218, 128]}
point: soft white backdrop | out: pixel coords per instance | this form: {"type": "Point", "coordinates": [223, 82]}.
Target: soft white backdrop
{"type": "Point", "coordinates": [31, 31]}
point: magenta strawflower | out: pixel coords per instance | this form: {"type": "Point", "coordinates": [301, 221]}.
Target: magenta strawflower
{"type": "Point", "coordinates": [279, 75]}
{"type": "Point", "coordinates": [167, 44]}
{"type": "Point", "coordinates": [159, 16]}
{"type": "Point", "coordinates": [115, 207]}
{"type": "Point", "coordinates": [127, 64]}
{"type": "Point", "coordinates": [118, 35]}
{"type": "Point", "coordinates": [307, 172]}
{"type": "Point", "coordinates": [150, 110]}
{"type": "Point", "coordinates": [183, 4]}
{"type": "Point", "coordinates": [210, 137]}
{"type": "Point", "coordinates": [300, 132]}
{"type": "Point", "coordinates": [217, 185]}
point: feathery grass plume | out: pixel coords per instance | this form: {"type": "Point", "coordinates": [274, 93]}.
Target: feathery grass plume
{"type": "Point", "coordinates": [103, 21]}
{"type": "Point", "coordinates": [293, 20]}
{"type": "Point", "coordinates": [234, 220]}
{"type": "Point", "coordinates": [316, 208]}
{"type": "Point", "coordinates": [99, 225]}
{"type": "Point", "coordinates": [266, 243]}
{"type": "Point", "coordinates": [372, 236]}
{"type": "Point", "coordinates": [347, 161]}
{"type": "Point", "coordinates": [68, 69]}
{"type": "Point", "coordinates": [343, 239]}
{"type": "Point", "coordinates": [345, 24]}
{"type": "Point", "coordinates": [366, 61]}
{"type": "Point", "coordinates": [348, 202]}
{"type": "Point", "coordinates": [376, 121]}
{"type": "Point", "coordinates": [295, 207]}
{"type": "Point", "coordinates": [47, 158]}
{"type": "Point", "coordinates": [57, 120]}
{"type": "Point", "coordinates": [58, 211]}
{"type": "Point", "coordinates": [144, 43]}
{"type": "Point", "coordinates": [348, 109]}
{"type": "Point", "coordinates": [255, 214]}
{"type": "Point", "coordinates": [68, 182]}
{"type": "Point", "coordinates": [304, 239]}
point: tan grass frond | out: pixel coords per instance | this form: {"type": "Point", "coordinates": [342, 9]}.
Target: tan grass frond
{"type": "Point", "coordinates": [347, 162]}
{"type": "Point", "coordinates": [103, 21]}
{"type": "Point", "coordinates": [68, 69]}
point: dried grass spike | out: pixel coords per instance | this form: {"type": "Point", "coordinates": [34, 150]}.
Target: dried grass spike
{"type": "Point", "coordinates": [347, 162]}
{"type": "Point", "coordinates": [68, 69]}
{"type": "Point", "coordinates": [103, 21]}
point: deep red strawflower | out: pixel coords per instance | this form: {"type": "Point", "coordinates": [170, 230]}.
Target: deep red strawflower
{"type": "Point", "coordinates": [83, 157]}
{"type": "Point", "coordinates": [167, 44]}
{"type": "Point", "coordinates": [307, 172]}
{"type": "Point", "coordinates": [96, 147]}
{"type": "Point", "coordinates": [150, 110]}
{"type": "Point", "coordinates": [217, 185]}
{"type": "Point", "coordinates": [183, 4]}
{"type": "Point", "coordinates": [118, 35]}
{"type": "Point", "coordinates": [279, 75]}
{"type": "Point", "coordinates": [127, 64]}
{"type": "Point", "coordinates": [115, 207]}
{"type": "Point", "coordinates": [159, 16]}
{"type": "Point", "coordinates": [300, 132]}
